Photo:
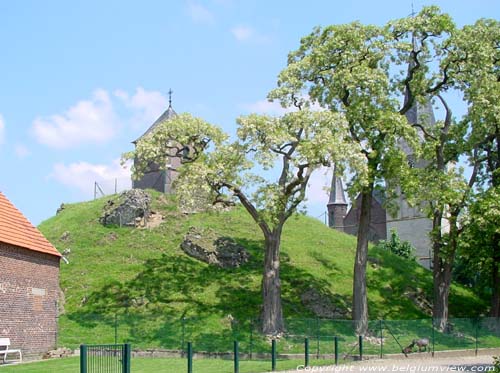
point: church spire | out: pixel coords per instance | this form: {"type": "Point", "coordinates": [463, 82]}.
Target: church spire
{"type": "Point", "coordinates": [337, 195]}
{"type": "Point", "coordinates": [337, 204]}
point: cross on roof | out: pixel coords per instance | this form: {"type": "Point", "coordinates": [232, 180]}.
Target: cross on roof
{"type": "Point", "coordinates": [170, 97]}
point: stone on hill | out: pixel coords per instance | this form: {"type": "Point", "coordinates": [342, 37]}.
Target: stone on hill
{"type": "Point", "coordinates": [207, 246]}
{"type": "Point", "coordinates": [131, 207]}
{"type": "Point", "coordinates": [323, 305]}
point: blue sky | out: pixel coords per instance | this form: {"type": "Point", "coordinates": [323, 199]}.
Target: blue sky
{"type": "Point", "coordinates": [80, 80]}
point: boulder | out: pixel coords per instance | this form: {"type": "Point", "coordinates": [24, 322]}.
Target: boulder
{"type": "Point", "coordinates": [60, 352]}
{"type": "Point", "coordinates": [130, 207]}
{"type": "Point", "coordinates": [324, 305]}
{"type": "Point", "coordinates": [207, 246]}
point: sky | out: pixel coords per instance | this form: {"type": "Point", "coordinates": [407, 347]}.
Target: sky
{"type": "Point", "coordinates": [80, 80]}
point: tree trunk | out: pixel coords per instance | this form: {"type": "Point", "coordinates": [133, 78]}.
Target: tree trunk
{"type": "Point", "coordinates": [442, 268]}
{"type": "Point", "coordinates": [442, 282]}
{"type": "Point", "coordinates": [359, 293]}
{"type": "Point", "coordinates": [495, 277]}
{"type": "Point", "coordinates": [272, 315]}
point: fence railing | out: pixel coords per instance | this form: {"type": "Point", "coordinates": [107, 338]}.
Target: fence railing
{"type": "Point", "coordinates": [105, 358]}
{"type": "Point", "coordinates": [215, 335]}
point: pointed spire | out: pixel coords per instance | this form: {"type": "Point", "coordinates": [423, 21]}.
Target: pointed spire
{"type": "Point", "coordinates": [337, 195]}
{"type": "Point", "coordinates": [168, 114]}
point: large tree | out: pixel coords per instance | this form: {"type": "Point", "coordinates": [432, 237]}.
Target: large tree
{"type": "Point", "coordinates": [465, 61]}
{"type": "Point", "coordinates": [287, 149]}
{"type": "Point", "coordinates": [353, 69]}
{"type": "Point", "coordinates": [479, 77]}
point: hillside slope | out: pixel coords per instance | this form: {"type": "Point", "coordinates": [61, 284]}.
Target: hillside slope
{"type": "Point", "coordinates": [144, 272]}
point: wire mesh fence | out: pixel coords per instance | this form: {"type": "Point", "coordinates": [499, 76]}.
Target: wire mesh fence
{"type": "Point", "coordinates": [215, 336]}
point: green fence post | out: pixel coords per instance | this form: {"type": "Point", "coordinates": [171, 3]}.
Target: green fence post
{"type": "Point", "coordinates": [83, 359]}
{"type": "Point", "coordinates": [433, 337]}
{"type": "Point", "coordinates": [273, 355]}
{"type": "Point", "coordinates": [477, 327]}
{"type": "Point", "coordinates": [190, 357]}
{"type": "Point", "coordinates": [360, 339]}
{"type": "Point", "coordinates": [126, 358]}
{"type": "Point", "coordinates": [306, 352]}
{"type": "Point", "coordinates": [317, 337]}
{"type": "Point", "coordinates": [381, 339]}
{"type": "Point", "coordinates": [116, 329]}
{"type": "Point", "coordinates": [183, 331]}
{"type": "Point", "coordinates": [236, 358]}
{"type": "Point", "coordinates": [251, 338]}
{"type": "Point", "coordinates": [336, 349]}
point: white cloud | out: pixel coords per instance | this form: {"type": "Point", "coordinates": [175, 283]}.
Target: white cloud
{"type": "Point", "coordinates": [21, 151]}
{"type": "Point", "coordinates": [82, 176]}
{"type": "Point", "coordinates": [266, 107]}
{"type": "Point", "coordinates": [147, 106]}
{"type": "Point", "coordinates": [244, 33]}
{"type": "Point", "coordinates": [199, 13]}
{"type": "Point", "coordinates": [88, 121]}
{"type": "Point", "coordinates": [2, 129]}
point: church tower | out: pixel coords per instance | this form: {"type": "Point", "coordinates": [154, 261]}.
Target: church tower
{"type": "Point", "coordinates": [410, 222]}
{"type": "Point", "coordinates": [156, 177]}
{"type": "Point", "coordinates": [337, 204]}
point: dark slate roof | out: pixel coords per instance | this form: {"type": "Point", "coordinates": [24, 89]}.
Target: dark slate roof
{"type": "Point", "coordinates": [168, 114]}
{"type": "Point", "coordinates": [337, 195]}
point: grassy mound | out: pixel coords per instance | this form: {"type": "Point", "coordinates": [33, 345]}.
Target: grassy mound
{"type": "Point", "coordinates": [137, 284]}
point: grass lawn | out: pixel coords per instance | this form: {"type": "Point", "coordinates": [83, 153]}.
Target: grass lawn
{"type": "Point", "coordinates": [143, 365]}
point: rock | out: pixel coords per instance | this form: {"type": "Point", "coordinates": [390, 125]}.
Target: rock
{"type": "Point", "coordinates": [324, 305]}
{"type": "Point", "coordinates": [60, 208]}
{"type": "Point", "coordinates": [206, 245]}
{"type": "Point", "coordinates": [60, 352]}
{"type": "Point", "coordinates": [65, 236]}
{"type": "Point", "coordinates": [128, 209]}
{"type": "Point", "coordinates": [419, 299]}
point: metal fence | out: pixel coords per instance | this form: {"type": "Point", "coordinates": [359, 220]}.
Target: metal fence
{"type": "Point", "coordinates": [108, 358]}
{"type": "Point", "coordinates": [215, 336]}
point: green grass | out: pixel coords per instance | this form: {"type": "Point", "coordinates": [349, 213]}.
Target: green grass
{"type": "Point", "coordinates": [174, 365]}
{"type": "Point", "coordinates": [140, 281]}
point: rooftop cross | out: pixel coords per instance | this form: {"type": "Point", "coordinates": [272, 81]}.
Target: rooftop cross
{"type": "Point", "coordinates": [413, 14]}
{"type": "Point", "coordinates": [170, 97]}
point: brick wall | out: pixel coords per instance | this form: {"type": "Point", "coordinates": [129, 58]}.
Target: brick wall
{"type": "Point", "coordinates": [29, 289]}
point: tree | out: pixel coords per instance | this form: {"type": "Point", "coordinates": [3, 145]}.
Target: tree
{"type": "Point", "coordinates": [353, 69]}
{"type": "Point", "coordinates": [292, 147]}
{"type": "Point", "coordinates": [479, 78]}
{"type": "Point", "coordinates": [480, 244]}
{"type": "Point", "coordinates": [465, 61]}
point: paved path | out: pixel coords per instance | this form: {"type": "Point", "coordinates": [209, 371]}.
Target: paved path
{"type": "Point", "coordinates": [434, 365]}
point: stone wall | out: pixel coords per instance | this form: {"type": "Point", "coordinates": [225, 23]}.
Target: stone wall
{"type": "Point", "coordinates": [29, 289]}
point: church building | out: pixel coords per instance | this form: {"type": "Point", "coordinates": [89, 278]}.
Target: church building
{"type": "Point", "coordinates": [409, 222]}
{"type": "Point", "coordinates": [159, 177]}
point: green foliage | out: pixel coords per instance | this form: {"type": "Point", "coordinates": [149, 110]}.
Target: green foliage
{"type": "Point", "coordinates": [496, 364]}
{"type": "Point", "coordinates": [394, 244]}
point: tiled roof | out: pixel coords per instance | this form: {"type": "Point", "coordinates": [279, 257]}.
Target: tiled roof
{"type": "Point", "coordinates": [16, 230]}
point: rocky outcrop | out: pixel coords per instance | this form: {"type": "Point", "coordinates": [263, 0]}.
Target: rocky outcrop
{"type": "Point", "coordinates": [324, 305]}
{"type": "Point", "coordinates": [131, 208]}
{"type": "Point", "coordinates": [207, 246]}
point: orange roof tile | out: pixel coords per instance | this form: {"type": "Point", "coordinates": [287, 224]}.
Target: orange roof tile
{"type": "Point", "coordinates": [16, 230]}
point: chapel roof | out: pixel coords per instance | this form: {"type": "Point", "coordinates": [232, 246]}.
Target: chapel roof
{"type": "Point", "coordinates": [168, 114]}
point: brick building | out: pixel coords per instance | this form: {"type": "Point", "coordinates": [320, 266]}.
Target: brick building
{"type": "Point", "coordinates": [29, 283]}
